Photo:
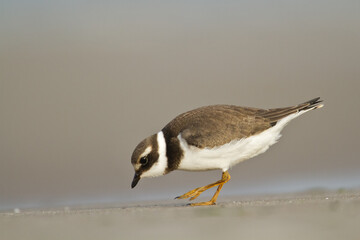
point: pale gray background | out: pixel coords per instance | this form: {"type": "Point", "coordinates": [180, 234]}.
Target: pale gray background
{"type": "Point", "coordinates": [82, 82]}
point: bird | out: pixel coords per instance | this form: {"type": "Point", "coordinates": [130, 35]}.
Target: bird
{"type": "Point", "coordinates": [215, 137]}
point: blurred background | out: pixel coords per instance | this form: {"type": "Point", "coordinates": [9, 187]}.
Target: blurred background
{"type": "Point", "coordinates": [82, 82]}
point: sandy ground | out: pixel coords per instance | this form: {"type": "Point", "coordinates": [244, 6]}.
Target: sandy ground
{"type": "Point", "coordinates": [305, 216]}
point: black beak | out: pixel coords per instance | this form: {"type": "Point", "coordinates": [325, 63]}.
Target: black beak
{"type": "Point", "coordinates": [135, 180]}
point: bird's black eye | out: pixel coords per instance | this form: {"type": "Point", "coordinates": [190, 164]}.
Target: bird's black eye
{"type": "Point", "coordinates": [144, 160]}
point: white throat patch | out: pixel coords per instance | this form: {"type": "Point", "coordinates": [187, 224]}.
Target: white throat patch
{"type": "Point", "coordinates": [161, 164]}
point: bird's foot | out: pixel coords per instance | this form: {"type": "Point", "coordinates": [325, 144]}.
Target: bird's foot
{"type": "Point", "coordinates": [193, 194]}
{"type": "Point", "coordinates": [208, 203]}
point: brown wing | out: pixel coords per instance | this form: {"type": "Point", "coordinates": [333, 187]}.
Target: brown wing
{"type": "Point", "coordinates": [216, 125]}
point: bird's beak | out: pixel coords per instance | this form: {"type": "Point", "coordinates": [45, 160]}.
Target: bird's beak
{"type": "Point", "coordinates": [135, 180]}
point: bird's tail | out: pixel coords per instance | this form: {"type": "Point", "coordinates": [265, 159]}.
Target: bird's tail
{"type": "Point", "coordinates": [312, 104]}
{"type": "Point", "coordinates": [275, 114]}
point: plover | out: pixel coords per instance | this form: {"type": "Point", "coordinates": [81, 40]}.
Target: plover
{"type": "Point", "coordinates": [212, 137]}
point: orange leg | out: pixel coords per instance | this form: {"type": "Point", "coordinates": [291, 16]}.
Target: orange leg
{"type": "Point", "coordinates": [193, 194]}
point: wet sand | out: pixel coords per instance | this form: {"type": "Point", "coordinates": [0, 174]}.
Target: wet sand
{"type": "Point", "coordinates": [301, 216]}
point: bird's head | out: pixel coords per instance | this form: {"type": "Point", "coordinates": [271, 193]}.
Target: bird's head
{"type": "Point", "coordinates": [149, 158]}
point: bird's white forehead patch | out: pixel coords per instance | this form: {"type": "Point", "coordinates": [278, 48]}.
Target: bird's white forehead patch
{"type": "Point", "coordinates": [137, 166]}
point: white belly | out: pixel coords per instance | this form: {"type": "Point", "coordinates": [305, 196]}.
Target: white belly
{"type": "Point", "coordinates": [230, 154]}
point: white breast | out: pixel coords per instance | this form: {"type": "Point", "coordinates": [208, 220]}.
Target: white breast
{"type": "Point", "coordinates": [232, 153]}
